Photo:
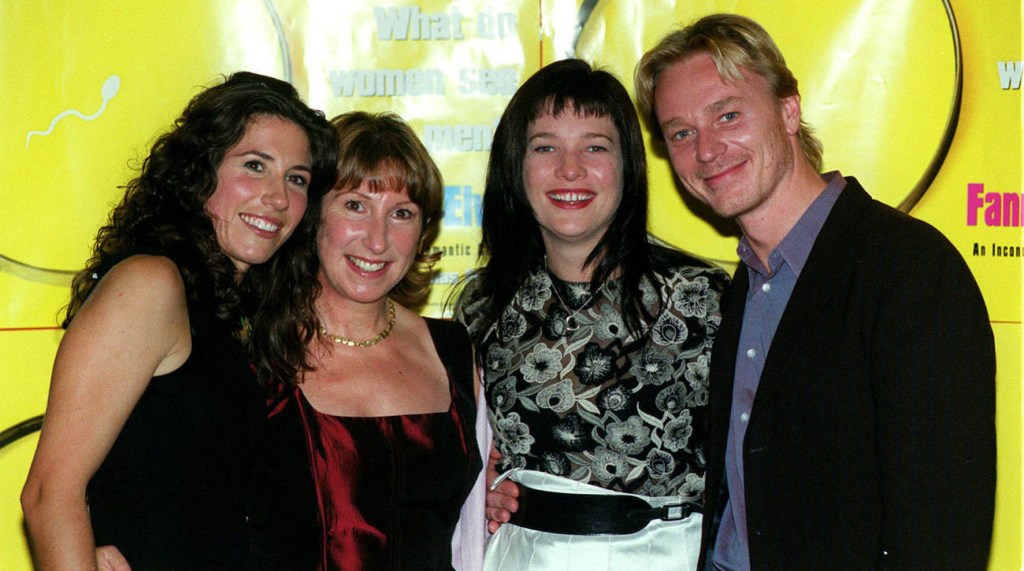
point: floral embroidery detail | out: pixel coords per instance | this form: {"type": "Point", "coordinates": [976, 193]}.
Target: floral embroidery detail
{"type": "Point", "coordinates": [570, 433]}
{"type": "Point", "coordinates": [609, 324]}
{"type": "Point", "coordinates": [594, 404]}
{"type": "Point", "coordinates": [514, 434]}
{"type": "Point", "coordinates": [654, 488]}
{"type": "Point", "coordinates": [541, 365]}
{"type": "Point", "coordinates": [534, 293]}
{"type": "Point", "coordinates": [659, 463]}
{"type": "Point", "coordinates": [554, 323]}
{"type": "Point", "coordinates": [498, 360]}
{"type": "Point", "coordinates": [554, 463]}
{"type": "Point", "coordinates": [672, 399]}
{"type": "Point", "coordinates": [697, 375]}
{"type": "Point", "coordinates": [649, 295]}
{"type": "Point", "coordinates": [503, 395]}
{"type": "Point", "coordinates": [693, 487]}
{"type": "Point", "coordinates": [653, 368]}
{"type": "Point", "coordinates": [669, 330]}
{"type": "Point", "coordinates": [595, 365]}
{"type": "Point", "coordinates": [513, 324]}
{"type": "Point", "coordinates": [678, 431]}
{"type": "Point", "coordinates": [628, 437]}
{"type": "Point", "coordinates": [615, 399]}
{"type": "Point", "coordinates": [608, 465]}
{"type": "Point", "coordinates": [577, 294]}
{"type": "Point", "coordinates": [691, 297]}
{"type": "Point", "coordinates": [558, 398]}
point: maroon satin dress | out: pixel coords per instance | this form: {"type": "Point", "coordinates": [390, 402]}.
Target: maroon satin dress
{"type": "Point", "coordinates": [389, 489]}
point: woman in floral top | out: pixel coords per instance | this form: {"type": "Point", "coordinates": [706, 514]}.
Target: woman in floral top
{"type": "Point", "coordinates": [594, 342]}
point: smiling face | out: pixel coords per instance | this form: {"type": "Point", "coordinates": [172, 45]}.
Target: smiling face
{"type": "Point", "coordinates": [261, 190]}
{"type": "Point", "coordinates": [573, 177]}
{"type": "Point", "coordinates": [367, 241]}
{"type": "Point", "coordinates": [732, 144]}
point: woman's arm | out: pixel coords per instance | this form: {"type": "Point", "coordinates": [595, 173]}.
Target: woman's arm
{"type": "Point", "coordinates": [133, 326]}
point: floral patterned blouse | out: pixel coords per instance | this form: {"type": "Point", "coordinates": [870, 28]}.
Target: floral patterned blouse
{"type": "Point", "coordinates": [570, 394]}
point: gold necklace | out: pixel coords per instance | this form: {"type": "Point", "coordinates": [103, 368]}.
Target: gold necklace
{"type": "Point", "coordinates": [379, 337]}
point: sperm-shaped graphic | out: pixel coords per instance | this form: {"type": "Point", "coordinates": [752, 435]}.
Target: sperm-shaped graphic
{"type": "Point", "coordinates": [109, 90]}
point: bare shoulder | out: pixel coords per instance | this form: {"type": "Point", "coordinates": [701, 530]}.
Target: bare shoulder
{"type": "Point", "coordinates": [151, 284]}
{"type": "Point", "coordinates": [151, 275]}
{"type": "Point", "coordinates": [140, 301]}
{"type": "Point", "coordinates": [132, 326]}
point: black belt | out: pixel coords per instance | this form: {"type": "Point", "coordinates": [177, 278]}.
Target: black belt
{"type": "Point", "coordinates": [591, 514]}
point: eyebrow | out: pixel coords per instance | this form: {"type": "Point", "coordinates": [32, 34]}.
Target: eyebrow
{"type": "Point", "coordinates": [714, 107]}
{"type": "Point", "coordinates": [269, 157]}
{"type": "Point", "coordinates": [723, 103]}
{"type": "Point", "coordinates": [371, 193]}
{"type": "Point", "coordinates": [589, 135]}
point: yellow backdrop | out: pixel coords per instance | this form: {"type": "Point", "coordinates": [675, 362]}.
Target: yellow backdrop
{"type": "Point", "coordinates": [920, 99]}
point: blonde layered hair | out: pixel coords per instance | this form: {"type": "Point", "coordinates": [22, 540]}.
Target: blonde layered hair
{"type": "Point", "coordinates": [736, 44]}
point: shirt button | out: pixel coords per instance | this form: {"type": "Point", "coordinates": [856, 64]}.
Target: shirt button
{"type": "Point", "coordinates": [751, 353]}
{"type": "Point", "coordinates": [744, 417]}
{"type": "Point", "coordinates": [766, 288]}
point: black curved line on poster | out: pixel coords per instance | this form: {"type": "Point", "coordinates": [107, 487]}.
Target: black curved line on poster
{"type": "Point", "coordinates": [20, 430]}
{"type": "Point", "coordinates": [586, 8]}
{"type": "Point", "coordinates": [59, 277]}
{"type": "Point", "coordinates": [952, 121]}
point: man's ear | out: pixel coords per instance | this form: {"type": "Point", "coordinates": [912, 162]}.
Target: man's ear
{"type": "Point", "coordinates": [791, 113]}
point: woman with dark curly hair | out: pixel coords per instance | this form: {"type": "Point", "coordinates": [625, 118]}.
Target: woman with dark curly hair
{"type": "Point", "coordinates": [594, 342]}
{"type": "Point", "coordinates": [154, 411]}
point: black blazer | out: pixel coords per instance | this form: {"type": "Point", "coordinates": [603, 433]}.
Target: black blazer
{"type": "Point", "coordinates": [871, 442]}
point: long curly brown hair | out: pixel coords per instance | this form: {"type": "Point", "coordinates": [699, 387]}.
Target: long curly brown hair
{"type": "Point", "coordinates": [164, 212]}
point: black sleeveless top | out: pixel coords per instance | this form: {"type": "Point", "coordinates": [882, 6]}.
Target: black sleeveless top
{"type": "Point", "coordinates": [370, 493]}
{"type": "Point", "coordinates": [171, 492]}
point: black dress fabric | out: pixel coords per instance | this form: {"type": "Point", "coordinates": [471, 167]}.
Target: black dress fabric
{"type": "Point", "coordinates": [171, 494]}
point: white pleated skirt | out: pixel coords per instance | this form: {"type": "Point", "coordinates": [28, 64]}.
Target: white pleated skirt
{"type": "Point", "coordinates": [661, 546]}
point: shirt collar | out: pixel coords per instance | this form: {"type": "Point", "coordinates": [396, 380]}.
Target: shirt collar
{"type": "Point", "coordinates": [795, 247]}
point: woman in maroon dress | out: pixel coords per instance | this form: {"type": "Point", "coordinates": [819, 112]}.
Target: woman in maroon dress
{"type": "Point", "coordinates": [386, 410]}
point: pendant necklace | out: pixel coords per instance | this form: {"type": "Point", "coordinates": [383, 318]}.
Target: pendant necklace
{"type": "Point", "coordinates": [369, 342]}
{"type": "Point", "coordinates": [571, 325]}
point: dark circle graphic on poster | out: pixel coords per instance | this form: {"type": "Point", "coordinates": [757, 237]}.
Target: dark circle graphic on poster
{"type": "Point", "coordinates": [884, 115]}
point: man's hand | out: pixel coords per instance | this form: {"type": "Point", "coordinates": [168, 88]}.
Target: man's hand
{"type": "Point", "coordinates": [109, 558]}
{"type": "Point", "coordinates": [501, 500]}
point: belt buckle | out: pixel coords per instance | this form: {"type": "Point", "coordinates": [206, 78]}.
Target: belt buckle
{"type": "Point", "coordinates": [673, 512]}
